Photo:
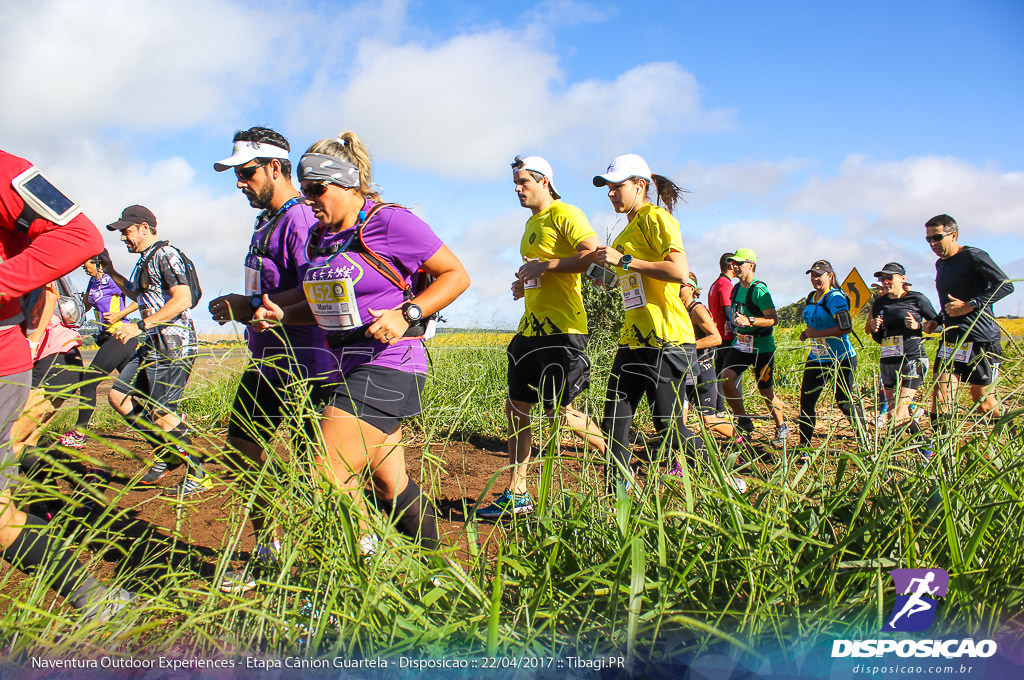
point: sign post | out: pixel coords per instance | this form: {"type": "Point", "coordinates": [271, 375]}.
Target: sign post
{"type": "Point", "coordinates": [860, 294]}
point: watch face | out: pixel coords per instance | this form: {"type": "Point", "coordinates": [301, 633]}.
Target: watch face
{"type": "Point", "coordinates": [412, 312]}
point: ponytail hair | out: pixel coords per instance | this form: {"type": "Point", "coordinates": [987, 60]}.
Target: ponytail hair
{"type": "Point", "coordinates": [348, 147]}
{"type": "Point", "coordinates": [667, 192]}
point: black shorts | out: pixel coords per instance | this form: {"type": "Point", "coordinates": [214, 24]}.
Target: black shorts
{"type": "Point", "coordinates": [58, 372]}
{"type": "Point", "coordinates": [379, 396]}
{"type": "Point", "coordinates": [908, 372]}
{"type": "Point", "coordinates": [261, 403]}
{"type": "Point", "coordinates": [155, 380]}
{"type": "Point", "coordinates": [763, 363]}
{"type": "Point", "coordinates": [554, 369]}
{"type": "Point", "coordinates": [974, 365]}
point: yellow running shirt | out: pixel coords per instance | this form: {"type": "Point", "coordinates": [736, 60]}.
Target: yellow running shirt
{"type": "Point", "coordinates": [554, 303]}
{"type": "Point", "coordinates": [655, 315]}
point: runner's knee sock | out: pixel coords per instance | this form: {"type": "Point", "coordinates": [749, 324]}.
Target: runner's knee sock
{"type": "Point", "coordinates": [163, 448]}
{"type": "Point", "coordinates": [140, 422]}
{"type": "Point", "coordinates": [180, 433]}
{"type": "Point", "coordinates": [32, 549]}
{"type": "Point", "coordinates": [414, 515]}
{"type": "Point", "coordinates": [86, 403]}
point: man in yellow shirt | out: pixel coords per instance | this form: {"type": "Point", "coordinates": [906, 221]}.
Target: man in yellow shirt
{"type": "Point", "coordinates": [547, 358]}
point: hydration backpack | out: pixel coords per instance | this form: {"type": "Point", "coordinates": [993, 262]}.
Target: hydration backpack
{"type": "Point", "coordinates": [190, 271]}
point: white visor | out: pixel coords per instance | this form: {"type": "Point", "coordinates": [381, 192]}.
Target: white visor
{"type": "Point", "coordinates": [244, 152]}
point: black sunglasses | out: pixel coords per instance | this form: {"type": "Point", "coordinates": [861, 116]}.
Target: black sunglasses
{"type": "Point", "coordinates": [247, 173]}
{"type": "Point", "coordinates": [885, 277]}
{"type": "Point", "coordinates": [935, 238]}
{"type": "Point", "coordinates": [315, 190]}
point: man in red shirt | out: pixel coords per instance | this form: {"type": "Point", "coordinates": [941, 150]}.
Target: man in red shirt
{"type": "Point", "coordinates": [720, 305]}
{"type": "Point", "coordinates": [43, 236]}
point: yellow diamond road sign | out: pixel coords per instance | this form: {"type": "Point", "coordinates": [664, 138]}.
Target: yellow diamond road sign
{"type": "Point", "coordinates": [860, 294]}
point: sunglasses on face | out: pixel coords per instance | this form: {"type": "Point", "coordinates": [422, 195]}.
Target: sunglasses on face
{"type": "Point", "coordinates": [885, 279]}
{"type": "Point", "coordinates": [248, 172]}
{"type": "Point", "coordinates": [315, 190]}
{"type": "Point", "coordinates": [935, 238]}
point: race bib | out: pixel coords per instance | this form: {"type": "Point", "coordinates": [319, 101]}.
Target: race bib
{"type": "Point", "coordinates": [820, 348]}
{"type": "Point", "coordinates": [744, 343]}
{"type": "Point", "coordinates": [892, 346]}
{"type": "Point", "coordinates": [962, 354]}
{"type": "Point", "coordinates": [333, 302]}
{"type": "Point", "coordinates": [252, 281]}
{"type": "Point", "coordinates": [632, 291]}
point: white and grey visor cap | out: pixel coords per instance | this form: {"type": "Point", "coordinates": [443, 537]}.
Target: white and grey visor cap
{"type": "Point", "coordinates": [321, 167]}
{"type": "Point", "coordinates": [538, 164]}
{"type": "Point", "coordinates": [243, 152]}
{"type": "Point", "coordinates": [622, 168]}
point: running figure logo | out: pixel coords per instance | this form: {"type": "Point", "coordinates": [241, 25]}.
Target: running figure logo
{"type": "Point", "coordinates": [915, 605]}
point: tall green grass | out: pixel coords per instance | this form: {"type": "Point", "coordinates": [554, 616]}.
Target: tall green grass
{"type": "Point", "coordinates": [678, 565]}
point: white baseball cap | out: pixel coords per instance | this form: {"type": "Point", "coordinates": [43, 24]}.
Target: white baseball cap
{"type": "Point", "coordinates": [622, 168]}
{"type": "Point", "coordinates": [243, 152]}
{"type": "Point", "coordinates": [538, 164]}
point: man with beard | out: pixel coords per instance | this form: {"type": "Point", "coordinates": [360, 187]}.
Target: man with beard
{"type": "Point", "coordinates": [154, 380]}
{"type": "Point", "coordinates": [276, 380]}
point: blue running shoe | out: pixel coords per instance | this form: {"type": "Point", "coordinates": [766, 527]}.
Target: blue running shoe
{"type": "Point", "coordinates": [507, 505]}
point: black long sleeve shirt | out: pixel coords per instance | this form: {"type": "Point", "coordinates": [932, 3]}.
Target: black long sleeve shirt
{"type": "Point", "coordinates": [973, 277]}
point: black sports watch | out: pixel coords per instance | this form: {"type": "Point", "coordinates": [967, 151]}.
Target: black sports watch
{"type": "Point", "coordinates": [256, 301]}
{"type": "Point", "coordinates": [412, 313]}
{"type": "Point", "coordinates": [625, 262]}
{"type": "Point", "coordinates": [142, 325]}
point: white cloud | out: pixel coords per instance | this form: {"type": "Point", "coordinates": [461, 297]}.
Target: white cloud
{"type": "Point", "coordinates": [746, 179]}
{"type": "Point", "coordinates": [902, 195]}
{"type": "Point", "coordinates": [77, 68]}
{"type": "Point", "coordinates": [467, 105]}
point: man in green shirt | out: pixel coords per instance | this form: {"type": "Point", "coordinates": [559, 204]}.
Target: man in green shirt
{"type": "Point", "coordinates": [753, 321]}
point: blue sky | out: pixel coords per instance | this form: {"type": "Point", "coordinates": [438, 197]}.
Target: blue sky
{"type": "Point", "coordinates": [804, 130]}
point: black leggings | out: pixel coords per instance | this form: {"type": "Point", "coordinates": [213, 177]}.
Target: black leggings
{"type": "Point", "coordinates": [657, 373]}
{"type": "Point", "coordinates": [818, 374]}
{"type": "Point", "coordinates": [112, 355]}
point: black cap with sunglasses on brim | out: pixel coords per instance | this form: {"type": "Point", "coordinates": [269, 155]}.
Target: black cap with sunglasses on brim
{"type": "Point", "coordinates": [820, 267]}
{"type": "Point", "coordinates": [891, 268]}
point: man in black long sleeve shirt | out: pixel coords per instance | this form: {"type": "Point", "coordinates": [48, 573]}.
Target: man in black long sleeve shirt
{"type": "Point", "coordinates": [969, 283]}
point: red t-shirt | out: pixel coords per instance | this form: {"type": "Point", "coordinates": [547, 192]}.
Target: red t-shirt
{"type": "Point", "coordinates": [30, 259]}
{"type": "Point", "coordinates": [720, 296]}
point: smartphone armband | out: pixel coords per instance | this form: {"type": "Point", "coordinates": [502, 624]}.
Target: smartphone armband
{"type": "Point", "coordinates": [844, 321]}
{"type": "Point", "coordinates": [43, 198]}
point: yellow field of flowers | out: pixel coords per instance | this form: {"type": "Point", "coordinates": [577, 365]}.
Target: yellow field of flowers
{"type": "Point", "coordinates": [1014, 327]}
{"type": "Point", "coordinates": [470, 339]}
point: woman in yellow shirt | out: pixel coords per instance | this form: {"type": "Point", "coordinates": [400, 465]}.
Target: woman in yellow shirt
{"type": "Point", "coordinates": [657, 345]}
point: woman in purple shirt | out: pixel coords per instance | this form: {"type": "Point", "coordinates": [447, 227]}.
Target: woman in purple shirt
{"type": "Point", "coordinates": [103, 295]}
{"type": "Point", "coordinates": [363, 257]}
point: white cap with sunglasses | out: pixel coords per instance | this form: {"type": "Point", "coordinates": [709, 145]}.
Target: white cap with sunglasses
{"type": "Point", "coordinates": [541, 166]}
{"type": "Point", "coordinates": [243, 152]}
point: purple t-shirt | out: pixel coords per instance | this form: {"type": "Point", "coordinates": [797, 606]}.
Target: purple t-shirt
{"type": "Point", "coordinates": [104, 296]}
{"type": "Point", "coordinates": [404, 241]}
{"type": "Point", "coordinates": [277, 252]}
